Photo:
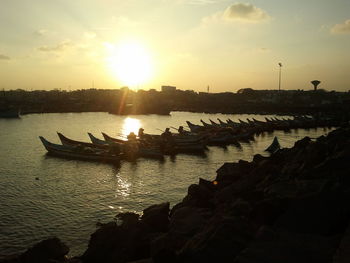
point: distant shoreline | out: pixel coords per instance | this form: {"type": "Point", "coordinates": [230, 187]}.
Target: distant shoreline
{"type": "Point", "coordinates": [128, 102]}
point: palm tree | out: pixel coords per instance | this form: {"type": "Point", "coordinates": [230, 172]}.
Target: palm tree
{"type": "Point", "coordinates": [315, 83]}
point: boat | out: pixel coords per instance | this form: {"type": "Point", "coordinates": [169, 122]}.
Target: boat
{"type": "Point", "coordinates": [274, 147]}
{"type": "Point", "coordinates": [79, 152]}
{"type": "Point", "coordinates": [223, 124]}
{"type": "Point", "coordinates": [112, 139]}
{"type": "Point", "coordinates": [233, 123]}
{"type": "Point", "coordinates": [70, 142]}
{"type": "Point", "coordinates": [206, 125]}
{"type": "Point", "coordinates": [96, 140]}
{"type": "Point", "coordinates": [194, 127]}
{"type": "Point", "coordinates": [214, 123]}
{"type": "Point", "coordinates": [135, 149]}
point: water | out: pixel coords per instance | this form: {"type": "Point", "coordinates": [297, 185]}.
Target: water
{"type": "Point", "coordinates": [70, 196]}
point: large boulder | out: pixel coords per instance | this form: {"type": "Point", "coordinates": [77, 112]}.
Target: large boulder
{"type": "Point", "coordinates": [220, 241]}
{"type": "Point", "coordinates": [49, 250]}
{"type": "Point", "coordinates": [343, 252]}
{"type": "Point", "coordinates": [117, 243]}
{"type": "Point", "coordinates": [275, 246]}
{"type": "Point", "coordinates": [157, 217]}
{"type": "Point", "coordinates": [326, 213]}
{"type": "Point", "coordinates": [185, 222]}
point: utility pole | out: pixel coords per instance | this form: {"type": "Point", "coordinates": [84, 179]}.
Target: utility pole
{"type": "Point", "coordinates": [279, 82]}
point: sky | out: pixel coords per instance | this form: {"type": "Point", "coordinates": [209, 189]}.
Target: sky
{"type": "Point", "coordinates": [190, 44]}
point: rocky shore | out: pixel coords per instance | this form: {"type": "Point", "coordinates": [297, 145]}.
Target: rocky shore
{"type": "Point", "coordinates": [290, 207]}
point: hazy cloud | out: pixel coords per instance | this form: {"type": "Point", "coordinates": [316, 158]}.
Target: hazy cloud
{"type": "Point", "coordinates": [239, 12]}
{"type": "Point", "coordinates": [40, 32]}
{"type": "Point", "coordinates": [245, 12]}
{"type": "Point", "coordinates": [343, 28]}
{"type": "Point", "coordinates": [3, 57]}
{"type": "Point", "coordinates": [57, 48]}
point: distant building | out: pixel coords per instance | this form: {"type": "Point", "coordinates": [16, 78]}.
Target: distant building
{"type": "Point", "coordinates": [168, 88]}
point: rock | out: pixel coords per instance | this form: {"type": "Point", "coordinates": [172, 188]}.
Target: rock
{"type": "Point", "coordinates": [163, 248]}
{"type": "Point", "coordinates": [52, 249]}
{"type": "Point", "coordinates": [228, 172]}
{"type": "Point", "coordinates": [224, 195]}
{"type": "Point", "coordinates": [157, 217]}
{"type": "Point", "coordinates": [320, 214]}
{"type": "Point", "coordinates": [276, 246]}
{"type": "Point", "coordinates": [145, 260]}
{"type": "Point", "coordinates": [240, 208]}
{"type": "Point", "coordinates": [259, 158]}
{"type": "Point", "coordinates": [302, 143]}
{"type": "Point", "coordinates": [113, 243]}
{"type": "Point", "coordinates": [266, 212]}
{"type": "Point", "coordinates": [10, 259]}
{"type": "Point", "coordinates": [187, 220]}
{"type": "Point", "coordinates": [127, 218]}
{"type": "Point", "coordinates": [342, 254]}
{"type": "Point", "coordinates": [220, 241]}
{"type": "Point", "coordinates": [199, 196]}
{"type": "Point", "coordinates": [294, 188]}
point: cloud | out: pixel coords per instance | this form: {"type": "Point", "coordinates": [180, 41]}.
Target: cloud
{"type": "Point", "coordinates": [343, 28]}
{"type": "Point", "coordinates": [40, 32]}
{"type": "Point", "coordinates": [239, 12]}
{"type": "Point", "coordinates": [3, 57]}
{"type": "Point", "coordinates": [245, 12]}
{"type": "Point", "coordinates": [57, 48]}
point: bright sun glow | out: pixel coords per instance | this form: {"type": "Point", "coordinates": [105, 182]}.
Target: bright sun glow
{"type": "Point", "coordinates": [131, 125]}
{"type": "Point", "coordinates": [131, 63]}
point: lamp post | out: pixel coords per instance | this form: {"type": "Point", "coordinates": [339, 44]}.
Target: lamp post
{"type": "Point", "coordinates": [279, 82]}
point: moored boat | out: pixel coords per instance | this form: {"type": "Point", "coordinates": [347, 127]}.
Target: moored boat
{"type": "Point", "coordinates": [79, 152]}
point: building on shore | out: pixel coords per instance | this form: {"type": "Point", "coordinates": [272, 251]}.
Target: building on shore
{"type": "Point", "coordinates": [168, 88]}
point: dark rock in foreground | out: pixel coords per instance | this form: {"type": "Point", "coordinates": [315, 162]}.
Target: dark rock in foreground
{"type": "Point", "coordinates": [49, 250]}
{"type": "Point", "coordinates": [290, 207]}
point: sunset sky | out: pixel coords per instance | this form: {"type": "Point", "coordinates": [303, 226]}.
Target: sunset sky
{"type": "Point", "coordinates": [190, 44]}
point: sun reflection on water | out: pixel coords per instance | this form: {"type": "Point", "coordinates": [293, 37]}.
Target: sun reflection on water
{"type": "Point", "coordinates": [130, 125]}
{"type": "Point", "coordinates": [123, 188]}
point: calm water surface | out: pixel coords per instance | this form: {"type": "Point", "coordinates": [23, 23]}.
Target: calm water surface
{"type": "Point", "coordinates": [71, 196]}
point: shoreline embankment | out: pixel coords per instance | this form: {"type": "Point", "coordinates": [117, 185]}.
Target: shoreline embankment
{"type": "Point", "coordinates": [289, 207]}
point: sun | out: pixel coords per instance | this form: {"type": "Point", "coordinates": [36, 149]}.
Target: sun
{"type": "Point", "coordinates": [130, 63]}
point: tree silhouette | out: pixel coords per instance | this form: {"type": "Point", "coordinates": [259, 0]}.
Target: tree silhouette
{"type": "Point", "coordinates": [315, 83]}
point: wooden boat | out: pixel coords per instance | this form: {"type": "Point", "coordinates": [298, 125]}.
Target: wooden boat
{"type": "Point", "coordinates": [206, 125]}
{"type": "Point", "coordinates": [223, 124]}
{"type": "Point", "coordinates": [233, 123]}
{"type": "Point", "coordinates": [150, 153]}
{"type": "Point", "coordinates": [243, 123]}
{"type": "Point", "coordinates": [70, 142]}
{"type": "Point", "coordinates": [214, 123]}
{"type": "Point", "coordinates": [135, 149]}
{"type": "Point", "coordinates": [79, 152]}
{"type": "Point", "coordinates": [112, 139]}
{"type": "Point", "coordinates": [194, 127]}
{"type": "Point", "coordinates": [96, 140]}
